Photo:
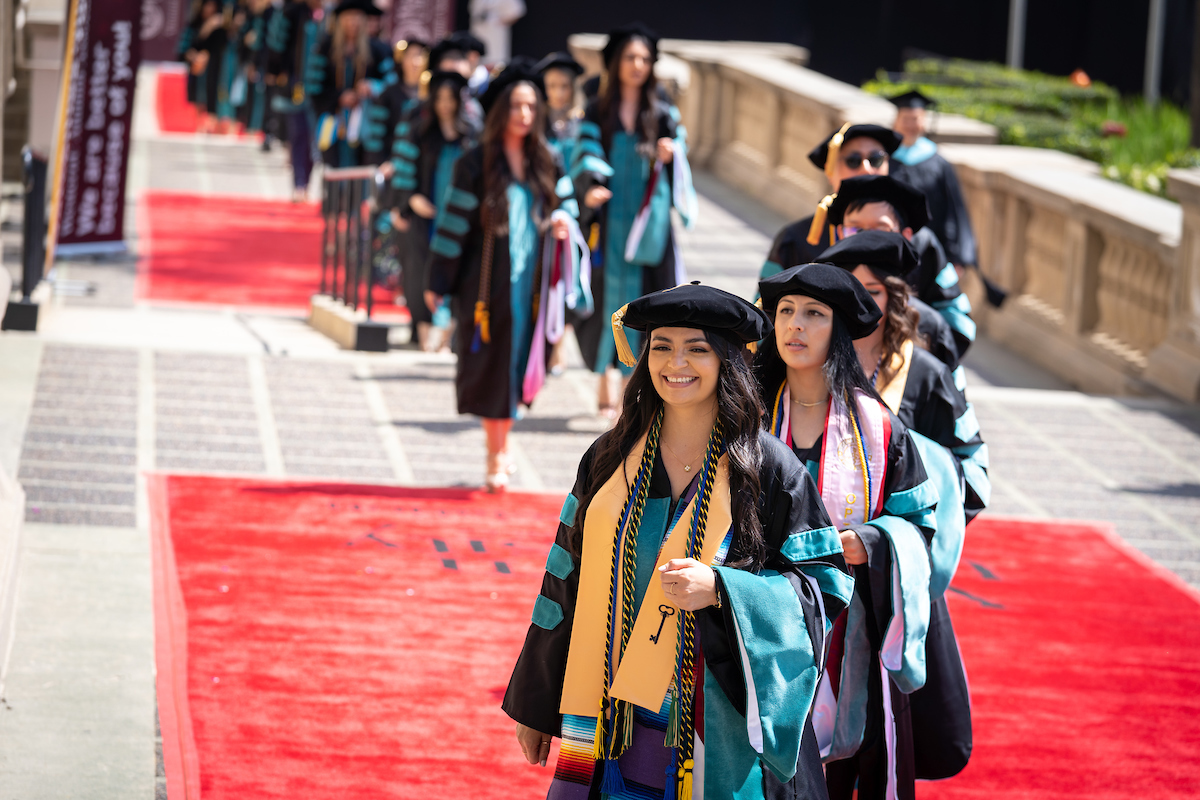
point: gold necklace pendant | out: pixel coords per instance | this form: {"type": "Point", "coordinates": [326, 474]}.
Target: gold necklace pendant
{"type": "Point", "coordinates": [687, 467]}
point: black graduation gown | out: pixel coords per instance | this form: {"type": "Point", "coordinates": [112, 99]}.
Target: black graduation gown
{"type": "Point", "coordinates": [941, 710]}
{"type": "Point", "coordinates": [937, 335]}
{"type": "Point", "coordinates": [590, 330]}
{"type": "Point", "coordinates": [286, 56]}
{"type": "Point", "coordinates": [326, 89]}
{"type": "Point", "coordinates": [204, 89]}
{"type": "Point", "coordinates": [950, 220]}
{"type": "Point", "coordinates": [791, 247]}
{"type": "Point", "coordinates": [414, 242]}
{"type": "Point", "coordinates": [788, 503]}
{"type": "Point", "coordinates": [867, 769]}
{"type": "Point", "coordinates": [483, 379]}
{"type": "Point", "coordinates": [932, 406]}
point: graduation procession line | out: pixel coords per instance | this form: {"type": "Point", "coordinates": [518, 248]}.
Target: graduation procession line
{"type": "Point", "coordinates": [246, 561]}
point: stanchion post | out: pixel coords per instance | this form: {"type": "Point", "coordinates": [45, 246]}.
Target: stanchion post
{"type": "Point", "coordinates": [22, 315]}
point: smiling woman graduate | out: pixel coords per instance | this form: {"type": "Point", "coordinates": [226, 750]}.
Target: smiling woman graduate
{"type": "Point", "coordinates": [680, 630]}
{"type": "Point", "coordinates": [875, 488]}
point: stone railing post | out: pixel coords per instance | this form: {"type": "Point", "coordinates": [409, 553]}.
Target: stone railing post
{"type": "Point", "coordinates": [1174, 366]}
{"type": "Point", "coordinates": [1083, 246]}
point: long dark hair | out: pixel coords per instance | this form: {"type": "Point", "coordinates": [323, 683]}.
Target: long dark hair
{"type": "Point", "coordinates": [540, 171]}
{"type": "Point", "coordinates": [610, 101]}
{"type": "Point", "coordinates": [740, 414]}
{"type": "Point", "coordinates": [899, 323]}
{"type": "Point", "coordinates": [429, 124]}
{"type": "Point", "coordinates": [843, 371]}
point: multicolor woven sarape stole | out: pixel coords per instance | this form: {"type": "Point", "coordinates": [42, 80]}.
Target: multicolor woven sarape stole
{"type": "Point", "coordinates": [630, 685]}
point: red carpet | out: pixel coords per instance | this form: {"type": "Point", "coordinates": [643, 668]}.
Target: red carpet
{"type": "Point", "coordinates": [239, 251]}
{"type": "Point", "coordinates": [332, 641]}
{"type": "Point", "coordinates": [175, 113]}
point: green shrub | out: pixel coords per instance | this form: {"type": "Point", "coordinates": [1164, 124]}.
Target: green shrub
{"type": "Point", "coordinates": [1037, 110]}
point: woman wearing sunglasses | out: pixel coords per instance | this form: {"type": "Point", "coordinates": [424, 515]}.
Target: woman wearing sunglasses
{"type": "Point", "coordinates": [849, 151]}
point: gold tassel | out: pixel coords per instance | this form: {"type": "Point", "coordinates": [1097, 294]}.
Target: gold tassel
{"type": "Point", "coordinates": [483, 321]}
{"type": "Point", "coordinates": [835, 150]}
{"type": "Point", "coordinates": [685, 788]}
{"type": "Point", "coordinates": [624, 352]}
{"type": "Point", "coordinates": [598, 744]}
{"type": "Point", "coordinates": [819, 217]}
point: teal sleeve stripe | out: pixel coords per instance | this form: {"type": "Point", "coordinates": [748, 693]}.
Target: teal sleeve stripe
{"type": "Point", "coordinates": [452, 223]}
{"type": "Point", "coordinates": [959, 321]}
{"type": "Point", "coordinates": [559, 563]}
{"type": "Point", "coordinates": [590, 146]}
{"type": "Point", "coordinates": [564, 188]}
{"type": "Point", "coordinates": [960, 379]}
{"type": "Point", "coordinates": [966, 427]}
{"type": "Point", "coordinates": [947, 277]}
{"type": "Point", "coordinates": [811, 545]}
{"type": "Point", "coordinates": [405, 182]}
{"type": "Point", "coordinates": [402, 129]}
{"type": "Point", "coordinates": [377, 112]}
{"type": "Point", "coordinates": [571, 207]}
{"type": "Point", "coordinates": [547, 614]}
{"type": "Point", "coordinates": [832, 581]}
{"type": "Point", "coordinates": [405, 148]}
{"type": "Point", "coordinates": [921, 496]}
{"type": "Point", "coordinates": [447, 248]}
{"type": "Point", "coordinates": [404, 167]}
{"type": "Point", "coordinates": [570, 506]}
{"type": "Point", "coordinates": [925, 518]}
{"type": "Point", "coordinates": [975, 453]}
{"type": "Point", "coordinates": [588, 129]}
{"type": "Point", "coordinates": [594, 164]}
{"type": "Point", "coordinates": [461, 198]}
{"type": "Point", "coordinates": [978, 480]}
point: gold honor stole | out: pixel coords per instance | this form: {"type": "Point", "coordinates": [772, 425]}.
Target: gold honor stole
{"type": "Point", "coordinates": [643, 676]}
{"type": "Point", "coordinates": [893, 392]}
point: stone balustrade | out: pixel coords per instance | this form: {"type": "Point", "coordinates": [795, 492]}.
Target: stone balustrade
{"type": "Point", "coordinates": [1103, 280]}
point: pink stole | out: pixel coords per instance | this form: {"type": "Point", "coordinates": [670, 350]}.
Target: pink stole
{"type": "Point", "coordinates": [840, 477]}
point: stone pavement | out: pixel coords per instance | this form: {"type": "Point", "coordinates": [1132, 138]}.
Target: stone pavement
{"type": "Point", "coordinates": [110, 388]}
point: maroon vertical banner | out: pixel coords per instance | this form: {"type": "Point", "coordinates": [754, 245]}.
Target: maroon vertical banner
{"type": "Point", "coordinates": [162, 23]}
{"type": "Point", "coordinates": [427, 20]}
{"type": "Point", "coordinates": [93, 156]}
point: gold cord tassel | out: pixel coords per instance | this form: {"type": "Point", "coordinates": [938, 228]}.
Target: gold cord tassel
{"type": "Point", "coordinates": [483, 322]}
{"type": "Point", "coordinates": [685, 788]}
{"type": "Point", "coordinates": [624, 352]}
{"type": "Point", "coordinates": [835, 150]}
{"type": "Point", "coordinates": [819, 217]}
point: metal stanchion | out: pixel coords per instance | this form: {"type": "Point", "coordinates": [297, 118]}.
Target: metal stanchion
{"type": "Point", "coordinates": [22, 315]}
{"type": "Point", "coordinates": [347, 258]}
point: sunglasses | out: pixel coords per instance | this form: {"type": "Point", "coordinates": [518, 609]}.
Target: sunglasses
{"type": "Point", "coordinates": [875, 159]}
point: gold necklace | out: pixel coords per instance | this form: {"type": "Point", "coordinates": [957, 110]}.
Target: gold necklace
{"type": "Point", "coordinates": [811, 405]}
{"type": "Point", "coordinates": [687, 467]}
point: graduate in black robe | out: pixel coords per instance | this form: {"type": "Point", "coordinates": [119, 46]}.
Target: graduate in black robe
{"type": "Point", "coordinates": [202, 48]}
{"type": "Point", "coordinates": [851, 150]}
{"type": "Point", "coordinates": [423, 159]}
{"type": "Point", "coordinates": [918, 163]}
{"type": "Point", "coordinates": [875, 489]}
{"type": "Point", "coordinates": [347, 74]}
{"type": "Point", "coordinates": [922, 392]}
{"type": "Point", "coordinates": [487, 256]}
{"type": "Point", "coordinates": [882, 203]}
{"type": "Point", "coordinates": [755, 584]}
{"type": "Point", "coordinates": [630, 163]}
{"type": "Point", "coordinates": [922, 167]}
